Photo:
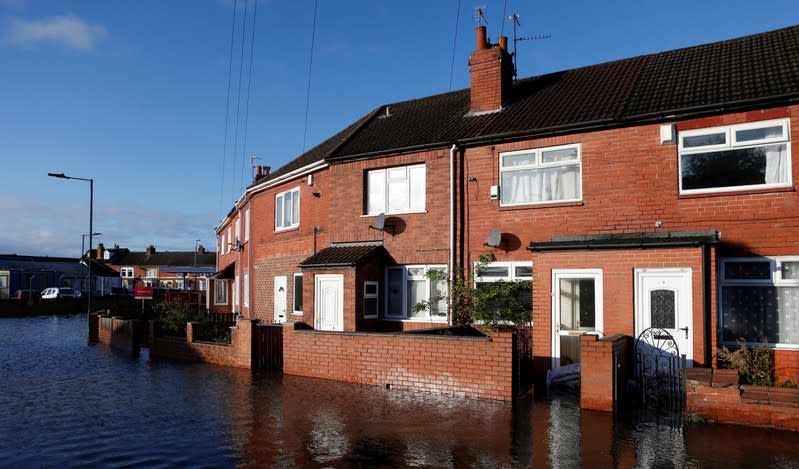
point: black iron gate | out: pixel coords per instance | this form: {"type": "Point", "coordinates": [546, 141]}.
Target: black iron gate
{"type": "Point", "coordinates": [660, 371]}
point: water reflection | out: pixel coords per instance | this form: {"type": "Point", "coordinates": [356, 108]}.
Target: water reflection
{"type": "Point", "coordinates": [63, 403]}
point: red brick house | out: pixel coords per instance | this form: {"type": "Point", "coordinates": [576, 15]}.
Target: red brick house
{"type": "Point", "coordinates": [175, 270]}
{"type": "Point", "coordinates": [652, 191]}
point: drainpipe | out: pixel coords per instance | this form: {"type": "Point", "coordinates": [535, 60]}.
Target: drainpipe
{"type": "Point", "coordinates": [451, 265]}
{"type": "Point", "coordinates": [247, 229]}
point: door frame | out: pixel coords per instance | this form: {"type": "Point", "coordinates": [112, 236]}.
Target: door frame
{"type": "Point", "coordinates": [280, 280]}
{"type": "Point", "coordinates": [685, 276]}
{"type": "Point", "coordinates": [318, 303]}
{"type": "Point", "coordinates": [599, 318]}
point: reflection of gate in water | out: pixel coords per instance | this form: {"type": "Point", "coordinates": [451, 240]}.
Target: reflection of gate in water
{"type": "Point", "coordinates": [660, 370]}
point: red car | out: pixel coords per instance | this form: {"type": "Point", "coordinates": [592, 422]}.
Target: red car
{"type": "Point", "coordinates": [35, 295]}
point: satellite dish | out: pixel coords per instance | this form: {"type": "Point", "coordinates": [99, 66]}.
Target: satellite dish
{"type": "Point", "coordinates": [380, 222]}
{"type": "Point", "coordinates": [494, 238]}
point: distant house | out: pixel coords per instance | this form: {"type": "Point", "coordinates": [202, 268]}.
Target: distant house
{"type": "Point", "coordinates": [655, 191]}
{"type": "Point", "coordinates": [177, 270]}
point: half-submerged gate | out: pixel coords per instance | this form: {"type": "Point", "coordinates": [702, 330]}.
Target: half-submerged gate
{"type": "Point", "coordinates": [660, 370]}
{"type": "Point", "coordinates": [268, 347]}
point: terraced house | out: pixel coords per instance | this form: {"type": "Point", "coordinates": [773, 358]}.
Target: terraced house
{"type": "Point", "coordinates": [652, 191]}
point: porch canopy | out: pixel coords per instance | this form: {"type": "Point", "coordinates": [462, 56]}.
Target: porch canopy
{"type": "Point", "coordinates": [628, 241]}
{"type": "Point", "coordinates": [226, 273]}
{"type": "Point", "coordinates": [343, 255]}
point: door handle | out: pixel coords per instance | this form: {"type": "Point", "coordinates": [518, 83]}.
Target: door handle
{"type": "Point", "coordinates": [686, 331]}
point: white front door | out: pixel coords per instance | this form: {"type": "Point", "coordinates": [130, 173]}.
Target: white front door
{"type": "Point", "coordinates": [663, 300]}
{"type": "Point", "coordinates": [329, 294]}
{"type": "Point", "coordinates": [280, 299]}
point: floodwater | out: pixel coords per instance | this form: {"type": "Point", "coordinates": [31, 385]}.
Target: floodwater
{"type": "Point", "coordinates": [65, 403]}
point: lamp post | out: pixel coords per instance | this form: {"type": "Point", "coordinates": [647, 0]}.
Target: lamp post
{"type": "Point", "coordinates": [91, 224]}
{"type": "Point", "coordinates": [82, 244]}
{"type": "Point", "coordinates": [196, 291]}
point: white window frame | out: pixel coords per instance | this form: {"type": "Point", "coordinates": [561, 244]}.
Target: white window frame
{"type": "Point", "coordinates": [405, 314]}
{"type": "Point", "coordinates": [151, 273]}
{"type": "Point", "coordinates": [236, 291]}
{"type": "Point", "coordinates": [375, 296]}
{"type": "Point", "coordinates": [220, 285]}
{"type": "Point", "coordinates": [731, 143]}
{"type": "Point", "coordinates": [246, 293]}
{"type": "Point", "coordinates": [294, 309]}
{"type": "Point", "coordinates": [386, 179]}
{"type": "Point", "coordinates": [238, 230]}
{"type": "Point", "coordinates": [280, 202]}
{"type": "Point", "coordinates": [247, 224]}
{"type": "Point", "coordinates": [126, 272]}
{"type": "Point", "coordinates": [775, 280]}
{"type": "Point", "coordinates": [510, 277]}
{"type": "Point", "coordinates": [538, 164]}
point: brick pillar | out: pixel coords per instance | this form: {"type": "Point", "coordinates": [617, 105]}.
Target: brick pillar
{"type": "Point", "coordinates": [597, 364]}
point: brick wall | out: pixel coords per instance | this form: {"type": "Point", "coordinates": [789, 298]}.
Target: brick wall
{"type": "Point", "coordinates": [599, 385]}
{"type": "Point", "coordinates": [470, 367]}
{"type": "Point", "coordinates": [117, 333]}
{"type": "Point", "coordinates": [715, 395]}
{"type": "Point", "coordinates": [238, 354]}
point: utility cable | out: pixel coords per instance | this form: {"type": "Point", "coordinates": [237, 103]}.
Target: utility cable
{"type": "Point", "coordinates": [310, 68]}
{"type": "Point", "coordinates": [227, 108]}
{"type": "Point", "coordinates": [502, 20]}
{"type": "Point", "coordinates": [238, 102]}
{"type": "Point", "coordinates": [247, 102]}
{"type": "Point", "coordinates": [454, 42]}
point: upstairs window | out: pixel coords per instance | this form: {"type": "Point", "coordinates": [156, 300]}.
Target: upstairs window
{"type": "Point", "coordinates": [396, 190]}
{"type": "Point", "coordinates": [126, 272]}
{"type": "Point", "coordinates": [542, 175]}
{"type": "Point", "coordinates": [287, 209]}
{"type": "Point", "coordinates": [735, 157]}
{"type": "Point", "coordinates": [151, 273]}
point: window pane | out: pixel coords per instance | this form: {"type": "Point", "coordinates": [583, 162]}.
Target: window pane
{"type": "Point", "coordinates": [563, 154]}
{"type": "Point", "coordinates": [376, 181]}
{"type": "Point", "coordinates": [747, 270]}
{"type": "Point", "coordinates": [730, 168]}
{"type": "Point", "coordinates": [519, 159]}
{"type": "Point", "coordinates": [523, 271]}
{"type": "Point", "coordinates": [577, 304]}
{"type": "Point", "coordinates": [370, 306]}
{"type": "Point", "coordinates": [295, 208]}
{"type": "Point", "coordinates": [417, 195]}
{"type": "Point", "coordinates": [758, 134]}
{"type": "Point", "coordinates": [370, 289]}
{"type": "Point", "coordinates": [540, 185]}
{"type": "Point", "coordinates": [278, 213]}
{"type": "Point", "coordinates": [494, 271]}
{"type": "Point", "coordinates": [397, 174]}
{"type": "Point", "coordinates": [298, 293]}
{"type": "Point", "coordinates": [417, 292]}
{"type": "Point", "coordinates": [662, 308]}
{"type": "Point", "coordinates": [394, 292]}
{"type": "Point", "coordinates": [398, 196]}
{"type": "Point", "coordinates": [790, 270]}
{"type": "Point", "coordinates": [751, 313]}
{"type": "Point", "coordinates": [702, 140]}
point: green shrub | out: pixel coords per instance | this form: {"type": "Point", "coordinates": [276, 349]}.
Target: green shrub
{"type": "Point", "coordinates": [754, 365]}
{"type": "Point", "coordinates": [172, 317]}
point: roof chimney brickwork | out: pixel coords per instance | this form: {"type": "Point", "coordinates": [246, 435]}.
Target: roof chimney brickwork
{"type": "Point", "coordinates": [491, 71]}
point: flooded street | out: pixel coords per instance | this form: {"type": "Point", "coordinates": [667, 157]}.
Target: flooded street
{"type": "Point", "coordinates": [64, 403]}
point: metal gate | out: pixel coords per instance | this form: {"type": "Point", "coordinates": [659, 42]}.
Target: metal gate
{"type": "Point", "coordinates": [660, 370]}
{"type": "Point", "coordinates": [268, 347]}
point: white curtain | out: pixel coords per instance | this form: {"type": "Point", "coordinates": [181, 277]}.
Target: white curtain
{"type": "Point", "coordinates": [540, 185]}
{"type": "Point", "coordinates": [776, 164]}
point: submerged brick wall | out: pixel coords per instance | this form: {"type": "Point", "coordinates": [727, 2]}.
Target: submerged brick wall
{"type": "Point", "coordinates": [715, 395]}
{"type": "Point", "coordinates": [118, 333]}
{"type": "Point", "coordinates": [461, 366]}
{"type": "Point", "coordinates": [599, 384]}
{"type": "Point", "coordinates": [238, 354]}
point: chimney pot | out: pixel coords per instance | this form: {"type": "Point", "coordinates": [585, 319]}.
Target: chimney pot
{"type": "Point", "coordinates": [150, 250]}
{"type": "Point", "coordinates": [503, 42]}
{"type": "Point", "coordinates": [482, 39]}
{"type": "Point", "coordinates": [201, 250]}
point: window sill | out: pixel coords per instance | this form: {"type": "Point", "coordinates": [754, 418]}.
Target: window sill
{"type": "Point", "coordinates": [286, 230]}
{"type": "Point", "coordinates": [729, 193]}
{"type": "Point", "coordinates": [394, 214]}
{"type": "Point", "coordinates": [577, 203]}
{"type": "Point", "coordinates": [436, 320]}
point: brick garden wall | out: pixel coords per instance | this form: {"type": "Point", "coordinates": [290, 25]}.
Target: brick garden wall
{"type": "Point", "coordinates": [462, 366]}
{"type": "Point", "coordinates": [598, 357]}
{"type": "Point", "coordinates": [238, 354]}
{"type": "Point", "coordinates": [715, 395]}
{"type": "Point", "coordinates": [119, 334]}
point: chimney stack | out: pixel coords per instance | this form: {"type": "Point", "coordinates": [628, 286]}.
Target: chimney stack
{"type": "Point", "coordinates": [261, 172]}
{"type": "Point", "coordinates": [201, 250]}
{"type": "Point", "coordinates": [150, 250]}
{"type": "Point", "coordinates": [491, 71]}
{"type": "Point", "coordinates": [100, 251]}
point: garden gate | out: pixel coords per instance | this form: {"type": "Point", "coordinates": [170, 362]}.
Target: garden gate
{"type": "Point", "coordinates": [660, 371]}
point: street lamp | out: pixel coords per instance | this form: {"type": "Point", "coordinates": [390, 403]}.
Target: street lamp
{"type": "Point", "coordinates": [82, 245]}
{"type": "Point", "coordinates": [91, 224]}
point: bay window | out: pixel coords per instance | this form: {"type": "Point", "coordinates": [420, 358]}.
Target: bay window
{"type": "Point", "coordinates": [759, 300]}
{"type": "Point", "coordinates": [541, 175]}
{"type": "Point", "coordinates": [735, 157]}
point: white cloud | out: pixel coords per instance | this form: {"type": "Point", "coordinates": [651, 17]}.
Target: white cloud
{"type": "Point", "coordinates": [69, 31]}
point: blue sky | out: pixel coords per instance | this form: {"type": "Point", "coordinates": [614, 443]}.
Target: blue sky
{"type": "Point", "coordinates": [135, 94]}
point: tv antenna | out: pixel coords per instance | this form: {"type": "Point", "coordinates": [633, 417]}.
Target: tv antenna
{"type": "Point", "coordinates": [516, 38]}
{"type": "Point", "coordinates": [480, 15]}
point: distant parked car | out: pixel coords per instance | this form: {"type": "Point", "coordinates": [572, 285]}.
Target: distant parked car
{"type": "Point", "coordinates": [26, 294]}
{"type": "Point", "coordinates": [60, 292]}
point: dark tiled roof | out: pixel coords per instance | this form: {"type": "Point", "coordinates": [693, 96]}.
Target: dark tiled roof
{"type": "Point", "coordinates": [725, 76]}
{"type": "Point", "coordinates": [177, 258]}
{"type": "Point", "coordinates": [346, 255]}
